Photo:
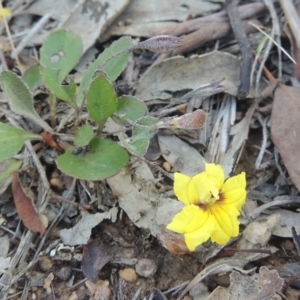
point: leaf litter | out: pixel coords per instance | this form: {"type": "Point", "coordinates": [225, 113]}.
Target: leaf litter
{"type": "Point", "coordinates": [131, 209]}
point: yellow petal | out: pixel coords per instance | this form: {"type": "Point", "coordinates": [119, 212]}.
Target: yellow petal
{"type": "Point", "coordinates": [234, 191]}
{"type": "Point", "coordinates": [215, 174]}
{"type": "Point", "coordinates": [185, 189]}
{"type": "Point", "coordinates": [228, 224]}
{"type": "Point", "coordinates": [188, 220]}
{"type": "Point", "coordinates": [203, 187]}
{"type": "Point", "coordinates": [234, 182]}
{"type": "Point", "coordinates": [198, 237]}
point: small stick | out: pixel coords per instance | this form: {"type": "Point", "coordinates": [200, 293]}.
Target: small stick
{"type": "Point", "coordinates": [38, 165]}
{"type": "Point", "coordinates": [9, 36]}
{"type": "Point", "coordinates": [245, 46]}
{"type": "Point", "coordinates": [169, 175]}
{"type": "Point", "coordinates": [292, 18]}
{"type": "Point", "coordinates": [247, 11]}
{"type": "Point", "coordinates": [30, 34]}
{"type": "Point", "coordinates": [60, 198]}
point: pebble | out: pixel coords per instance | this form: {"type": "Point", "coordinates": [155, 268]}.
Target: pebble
{"type": "Point", "coordinates": [128, 275]}
{"type": "Point", "coordinates": [45, 264]}
{"type": "Point", "coordinates": [146, 267]}
{"type": "Point", "coordinates": [167, 166]}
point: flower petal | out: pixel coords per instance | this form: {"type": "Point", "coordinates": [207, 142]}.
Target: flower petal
{"type": "Point", "coordinates": [227, 224]}
{"type": "Point", "coordinates": [234, 191]}
{"type": "Point", "coordinates": [188, 220]}
{"type": "Point", "coordinates": [215, 173]}
{"type": "Point", "coordinates": [185, 189]}
{"type": "Point", "coordinates": [237, 181]}
{"type": "Point", "coordinates": [198, 237]}
{"type": "Point", "coordinates": [202, 185]}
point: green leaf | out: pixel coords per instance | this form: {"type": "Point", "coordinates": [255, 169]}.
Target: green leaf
{"type": "Point", "coordinates": [101, 100]}
{"type": "Point", "coordinates": [32, 77]}
{"type": "Point", "coordinates": [6, 168]}
{"type": "Point", "coordinates": [61, 51]}
{"type": "Point", "coordinates": [64, 93]}
{"type": "Point", "coordinates": [12, 140]}
{"type": "Point", "coordinates": [71, 90]}
{"type": "Point", "coordinates": [20, 99]}
{"type": "Point", "coordinates": [143, 132]}
{"type": "Point", "coordinates": [104, 159]}
{"type": "Point", "coordinates": [112, 68]}
{"type": "Point", "coordinates": [83, 136]}
{"type": "Point", "coordinates": [130, 106]}
{"type": "Point", "coordinates": [139, 142]}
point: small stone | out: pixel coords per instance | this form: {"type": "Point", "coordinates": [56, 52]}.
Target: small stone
{"type": "Point", "coordinates": [45, 264]}
{"type": "Point", "coordinates": [128, 275]}
{"type": "Point", "coordinates": [167, 166]}
{"type": "Point", "coordinates": [288, 245]}
{"type": "Point", "coordinates": [146, 267]}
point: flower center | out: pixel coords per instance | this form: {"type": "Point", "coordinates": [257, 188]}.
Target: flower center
{"type": "Point", "coordinates": [207, 203]}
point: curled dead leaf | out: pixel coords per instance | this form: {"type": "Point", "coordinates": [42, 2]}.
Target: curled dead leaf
{"type": "Point", "coordinates": [160, 44]}
{"type": "Point", "coordinates": [285, 128]}
{"type": "Point", "coordinates": [27, 211]}
{"type": "Point", "coordinates": [94, 259]}
{"type": "Point", "coordinates": [194, 120]}
{"type": "Point", "coordinates": [264, 285]}
{"type": "Point", "coordinates": [173, 242]}
{"type": "Point", "coordinates": [49, 140]}
{"type": "Point", "coordinates": [100, 289]}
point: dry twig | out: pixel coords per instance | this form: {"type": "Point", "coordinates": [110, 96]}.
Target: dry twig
{"type": "Point", "coordinates": [245, 46]}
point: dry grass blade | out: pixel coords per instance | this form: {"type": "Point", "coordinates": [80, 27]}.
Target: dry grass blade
{"type": "Point", "coordinates": [284, 51]}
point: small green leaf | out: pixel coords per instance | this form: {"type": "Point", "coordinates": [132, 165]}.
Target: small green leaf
{"type": "Point", "coordinates": [138, 147]}
{"type": "Point", "coordinates": [71, 90]}
{"type": "Point", "coordinates": [64, 93]}
{"type": "Point", "coordinates": [101, 100]}
{"type": "Point", "coordinates": [83, 136]}
{"type": "Point", "coordinates": [105, 159]}
{"type": "Point", "coordinates": [61, 51]}
{"type": "Point", "coordinates": [6, 168]}
{"type": "Point", "coordinates": [112, 68]}
{"type": "Point", "coordinates": [12, 140]}
{"type": "Point", "coordinates": [20, 99]}
{"type": "Point", "coordinates": [130, 106]}
{"type": "Point", "coordinates": [32, 77]}
{"type": "Point", "coordinates": [139, 142]}
{"type": "Point", "coordinates": [143, 132]}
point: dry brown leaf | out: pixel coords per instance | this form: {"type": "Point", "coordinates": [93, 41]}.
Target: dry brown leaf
{"type": "Point", "coordinates": [259, 286]}
{"type": "Point", "coordinates": [143, 18]}
{"type": "Point", "coordinates": [27, 211]}
{"type": "Point", "coordinates": [102, 290]}
{"type": "Point", "coordinates": [99, 290]}
{"type": "Point", "coordinates": [173, 242]}
{"type": "Point", "coordinates": [290, 270]}
{"type": "Point", "coordinates": [285, 128]}
{"type": "Point", "coordinates": [94, 259]}
{"type": "Point", "coordinates": [256, 236]}
{"type": "Point", "coordinates": [88, 19]}
{"type": "Point", "coordinates": [80, 233]}
{"type": "Point", "coordinates": [180, 74]}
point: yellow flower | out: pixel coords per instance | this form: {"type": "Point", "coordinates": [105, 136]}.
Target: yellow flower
{"type": "Point", "coordinates": [212, 206]}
